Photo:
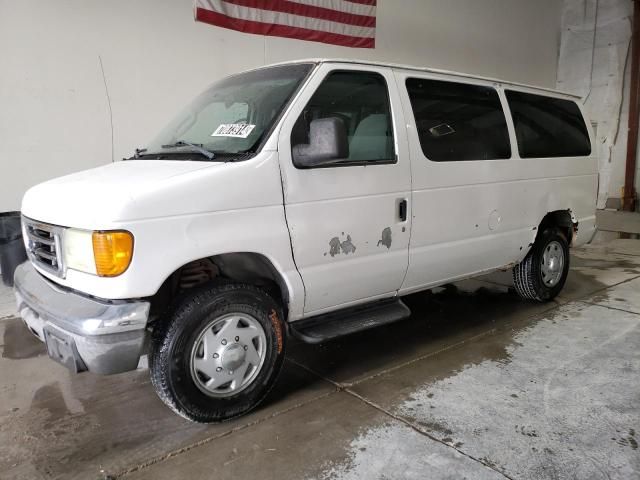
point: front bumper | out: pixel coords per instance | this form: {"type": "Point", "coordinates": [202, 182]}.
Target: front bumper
{"type": "Point", "coordinates": [81, 332]}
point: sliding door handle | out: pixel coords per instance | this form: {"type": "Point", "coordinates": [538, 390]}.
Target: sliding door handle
{"type": "Point", "coordinates": [402, 210]}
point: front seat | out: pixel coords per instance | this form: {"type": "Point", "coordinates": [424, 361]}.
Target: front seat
{"type": "Point", "coordinates": [372, 139]}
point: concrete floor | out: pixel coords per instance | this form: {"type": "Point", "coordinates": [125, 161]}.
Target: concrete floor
{"type": "Point", "coordinates": [477, 384]}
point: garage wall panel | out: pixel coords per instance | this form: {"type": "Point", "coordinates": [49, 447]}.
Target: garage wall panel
{"type": "Point", "coordinates": [594, 63]}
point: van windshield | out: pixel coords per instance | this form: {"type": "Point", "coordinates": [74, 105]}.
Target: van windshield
{"type": "Point", "coordinates": [231, 117]}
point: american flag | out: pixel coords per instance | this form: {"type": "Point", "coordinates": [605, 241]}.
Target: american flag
{"type": "Point", "coordinates": [350, 23]}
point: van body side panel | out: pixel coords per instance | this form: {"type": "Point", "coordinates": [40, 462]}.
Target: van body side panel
{"type": "Point", "coordinates": [348, 241]}
{"type": "Point", "coordinates": [579, 193]}
{"type": "Point", "coordinates": [229, 208]}
{"type": "Point", "coordinates": [475, 216]}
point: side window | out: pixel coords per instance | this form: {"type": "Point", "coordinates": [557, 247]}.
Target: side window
{"type": "Point", "coordinates": [457, 121]}
{"type": "Point", "coordinates": [547, 126]}
{"type": "Point", "coordinates": [360, 101]}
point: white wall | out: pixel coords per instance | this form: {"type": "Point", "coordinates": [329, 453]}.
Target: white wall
{"type": "Point", "coordinates": [54, 113]}
{"type": "Point", "coordinates": [595, 64]}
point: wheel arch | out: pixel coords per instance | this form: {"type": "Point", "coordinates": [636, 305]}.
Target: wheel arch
{"type": "Point", "coordinates": [252, 268]}
{"type": "Point", "coordinates": [565, 220]}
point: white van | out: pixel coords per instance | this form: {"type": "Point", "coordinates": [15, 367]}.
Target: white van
{"type": "Point", "coordinates": [301, 199]}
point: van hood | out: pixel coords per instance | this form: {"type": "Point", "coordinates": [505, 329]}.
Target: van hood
{"type": "Point", "coordinates": [103, 196]}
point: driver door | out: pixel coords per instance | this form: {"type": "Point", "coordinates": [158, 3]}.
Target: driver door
{"type": "Point", "coordinates": [349, 221]}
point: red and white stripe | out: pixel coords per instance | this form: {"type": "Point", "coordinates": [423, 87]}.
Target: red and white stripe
{"type": "Point", "coordinates": [350, 23]}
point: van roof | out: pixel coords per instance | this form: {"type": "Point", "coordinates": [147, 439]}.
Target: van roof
{"type": "Point", "coordinates": [425, 69]}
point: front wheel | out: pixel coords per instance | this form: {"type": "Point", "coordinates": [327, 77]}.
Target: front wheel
{"type": "Point", "coordinates": [543, 272]}
{"type": "Point", "coordinates": [219, 353]}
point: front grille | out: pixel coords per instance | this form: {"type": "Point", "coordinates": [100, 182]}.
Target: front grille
{"type": "Point", "coordinates": [43, 245]}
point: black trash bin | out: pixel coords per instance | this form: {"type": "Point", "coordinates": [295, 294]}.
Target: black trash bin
{"type": "Point", "coordinates": [12, 252]}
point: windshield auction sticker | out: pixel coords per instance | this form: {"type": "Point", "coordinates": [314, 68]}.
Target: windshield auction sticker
{"type": "Point", "coordinates": [237, 130]}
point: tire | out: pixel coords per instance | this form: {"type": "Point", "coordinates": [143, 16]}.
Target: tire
{"type": "Point", "coordinates": [187, 375]}
{"type": "Point", "coordinates": [536, 280]}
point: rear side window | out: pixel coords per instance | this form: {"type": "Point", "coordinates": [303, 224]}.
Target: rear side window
{"type": "Point", "coordinates": [548, 127]}
{"type": "Point", "coordinates": [457, 121]}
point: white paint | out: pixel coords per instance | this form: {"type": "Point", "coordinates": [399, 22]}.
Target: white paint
{"type": "Point", "coordinates": [455, 203]}
{"type": "Point", "coordinates": [110, 193]}
{"type": "Point", "coordinates": [177, 211]}
{"type": "Point", "coordinates": [356, 202]}
{"type": "Point", "coordinates": [55, 116]}
{"type": "Point", "coordinates": [180, 211]}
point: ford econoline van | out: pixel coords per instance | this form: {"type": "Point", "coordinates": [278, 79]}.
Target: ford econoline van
{"type": "Point", "coordinates": [303, 199]}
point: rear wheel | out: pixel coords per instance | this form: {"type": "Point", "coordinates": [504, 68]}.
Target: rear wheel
{"type": "Point", "coordinates": [219, 353]}
{"type": "Point", "coordinates": [543, 272]}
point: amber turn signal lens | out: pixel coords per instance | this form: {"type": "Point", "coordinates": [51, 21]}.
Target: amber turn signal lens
{"type": "Point", "coordinates": [112, 252]}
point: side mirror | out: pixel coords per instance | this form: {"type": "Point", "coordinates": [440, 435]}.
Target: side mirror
{"type": "Point", "coordinates": [328, 144]}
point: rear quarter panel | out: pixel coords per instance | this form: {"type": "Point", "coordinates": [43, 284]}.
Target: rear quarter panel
{"type": "Point", "coordinates": [455, 203]}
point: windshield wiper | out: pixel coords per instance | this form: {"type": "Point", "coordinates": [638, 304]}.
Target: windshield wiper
{"type": "Point", "coordinates": [196, 146]}
{"type": "Point", "coordinates": [139, 151]}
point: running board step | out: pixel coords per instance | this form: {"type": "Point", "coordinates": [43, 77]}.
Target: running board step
{"type": "Point", "coordinates": [345, 322]}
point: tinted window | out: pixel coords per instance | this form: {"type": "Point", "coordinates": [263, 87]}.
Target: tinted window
{"type": "Point", "coordinates": [456, 121]}
{"type": "Point", "coordinates": [548, 127]}
{"type": "Point", "coordinates": [361, 101]}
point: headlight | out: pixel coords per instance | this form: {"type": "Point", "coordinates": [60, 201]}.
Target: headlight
{"type": "Point", "coordinates": [78, 250]}
{"type": "Point", "coordinates": [107, 254]}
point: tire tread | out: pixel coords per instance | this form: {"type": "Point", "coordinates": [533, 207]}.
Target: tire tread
{"type": "Point", "coordinates": [168, 326]}
{"type": "Point", "coordinates": [525, 275]}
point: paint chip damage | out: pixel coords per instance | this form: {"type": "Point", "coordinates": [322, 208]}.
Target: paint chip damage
{"type": "Point", "coordinates": [336, 246]}
{"type": "Point", "coordinates": [386, 238]}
